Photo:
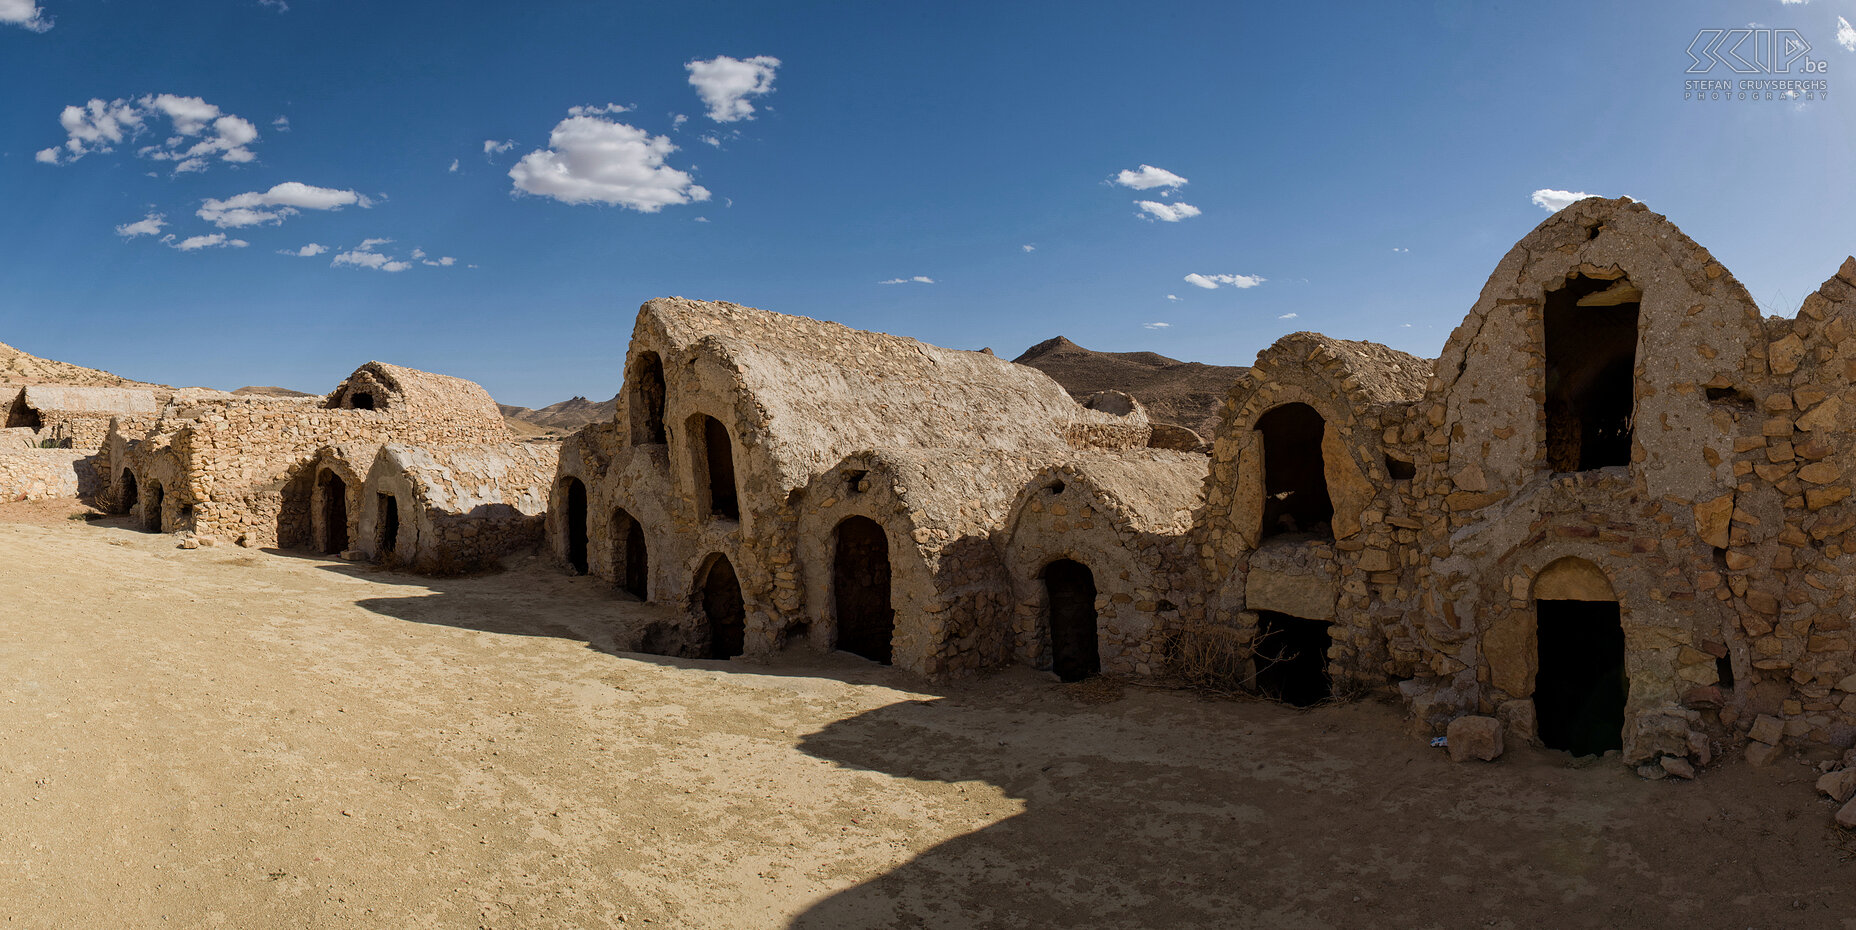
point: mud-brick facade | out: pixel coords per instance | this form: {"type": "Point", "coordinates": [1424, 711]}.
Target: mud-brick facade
{"type": "Point", "coordinates": [291, 472]}
{"type": "Point", "coordinates": [773, 480]}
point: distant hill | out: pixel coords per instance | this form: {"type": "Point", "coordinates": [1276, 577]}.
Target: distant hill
{"type": "Point", "coordinates": [1182, 393]}
{"type": "Point", "coordinates": [17, 367]}
{"type": "Point", "coordinates": [559, 419]}
{"type": "Point", "coordinates": [272, 392]}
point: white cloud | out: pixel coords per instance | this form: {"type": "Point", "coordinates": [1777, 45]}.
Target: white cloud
{"type": "Point", "coordinates": [597, 111]}
{"type": "Point", "coordinates": [309, 251]}
{"type": "Point", "coordinates": [444, 262]}
{"type": "Point", "coordinates": [1029, 248]}
{"type": "Point", "coordinates": [1397, 249]}
{"type": "Point", "coordinates": [677, 120]}
{"type": "Point", "coordinates": [1147, 178]}
{"type": "Point", "coordinates": [1554, 201]}
{"type": "Point", "coordinates": [454, 166]}
{"type": "Point", "coordinates": [278, 5]}
{"type": "Point", "coordinates": [1211, 281]}
{"type": "Point", "coordinates": [149, 225]}
{"type": "Point", "coordinates": [201, 131]}
{"type": "Point", "coordinates": [215, 240]}
{"type": "Point", "coordinates": [1166, 212]}
{"type": "Point", "coordinates": [24, 14]}
{"type": "Point", "coordinates": [1793, 2]}
{"type": "Point", "coordinates": [710, 139]}
{"type": "Point", "coordinates": [702, 219]}
{"type": "Point", "coordinates": [725, 83]}
{"type": "Point", "coordinates": [1846, 35]}
{"type": "Point", "coordinates": [1155, 325]}
{"type": "Point", "coordinates": [365, 256]}
{"type": "Point", "coordinates": [281, 124]}
{"type": "Point", "coordinates": [593, 160]}
{"type": "Point", "coordinates": [272, 206]}
{"type": "Point", "coordinates": [1172, 296]}
{"type": "Point", "coordinates": [918, 279]}
{"type": "Point", "coordinates": [1288, 316]}
{"type": "Point", "coordinates": [493, 147]}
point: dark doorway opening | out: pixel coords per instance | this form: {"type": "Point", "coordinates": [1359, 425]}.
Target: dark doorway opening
{"type": "Point", "coordinates": [630, 564]}
{"type": "Point", "coordinates": [151, 510]}
{"type": "Point", "coordinates": [361, 401]}
{"type": "Point", "coordinates": [1581, 688]}
{"type": "Point", "coordinates": [1291, 656]}
{"type": "Point", "coordinates": [334, 512]}
{"type": "Point", "coordinates": [389, 508]}
{"type": "Point", "coordinates": [126, 501]}
{"type": "Point", "coordinates": [1295, 483]}
{"type": "Point", "coordinates": [647, 401]}
{"type": "Point", "coordinates": [22, 416]}
{"type": "Point", "coordinates": [860, 589]}
{"type": "Point", "coordinates": [718, 458]}
{"type": "Point", "coordinates": [576, 525]}
{"type": "Point", "coordinates": [1591, 348]}
{"type": "Point", "coordinates": [1070, 592]}
{"type": "Point", "coordinates": [723, 607]}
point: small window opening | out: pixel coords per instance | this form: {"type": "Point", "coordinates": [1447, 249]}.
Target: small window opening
{"type": "Point", "coordinates": [724, 609]}
{"type": "Point", "coordinates": [1291, 659]}
{"type": "Point", "coordinates": [1399, 469]}
{"type": "Point", "coordinates": [854, 482]}
{"type": "Point", "coordinates": [1724, 667]}
{"type": "Point", "coordinates": [1730, 397]}
{"type": "Point", "coordinates": [1295, 484]}
{"type": "Point", "coordinates": [647, 400]}
{"type": "Point", "coordinates": [1591, 360]}
{"type": "Point", "coordinates": [1056, 487]}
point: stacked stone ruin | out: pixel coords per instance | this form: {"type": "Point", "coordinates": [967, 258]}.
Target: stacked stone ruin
{"type": "Point", "coordinates": [1614, 514]}
{"type": "Point", "coordinates": [395, 465]}
{"type": "Point", "coordinates": [50, 434]}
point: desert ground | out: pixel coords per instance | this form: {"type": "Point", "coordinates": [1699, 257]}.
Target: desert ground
{"type": "Point", "coordinates": [228, 738]}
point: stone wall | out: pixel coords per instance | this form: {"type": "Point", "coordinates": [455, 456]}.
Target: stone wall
{"type": "Point", "coordinates": [42, 474]}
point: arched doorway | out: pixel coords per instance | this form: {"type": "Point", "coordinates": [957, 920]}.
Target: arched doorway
{"type": "Point", "coordinates": [389, 508]}
{"type": "Point", "coordinates": [127, 498]}
{"type": "Point", "coordinates": [722, 606]}
{"type": "Point", "coordinates": [860, 590]}
{"type": "Point", "coordinates": [334, 493]}
{"type": "Point", "coordinates": [1070, 593]}
{"type": "Point", "coordinates": [1581, 686]}
{"type": "Point", "coordinates": [630, 563]}
{"type": "Point", "coordinates": [574, 524]}
{"type": "Point", "coordinates": [151, 508]}
{"type": "Point", "coordinates": [1295, 482]}
{"type": "Point", "coordinates": [716, 457]}
{"type": "Point", "coordinates": [647, 401]}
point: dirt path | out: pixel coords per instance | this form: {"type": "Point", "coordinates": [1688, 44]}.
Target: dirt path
{"type": "Point", "coordinates": [220, 737]}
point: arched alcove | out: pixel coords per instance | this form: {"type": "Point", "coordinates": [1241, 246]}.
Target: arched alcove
{"type": "Point", "coordinates": [631, 565]}
{"type": "Point", "coordinates": [1295, 484]}
{"type": "Point", "coordinates": [573, 523]}
{"type": "Point", "coordinates": [646, 403]}
{"type": "Point", "coordinates": [333, 514]}
{"type": "Point", "coordinates": [1591, 361]}
{"type": "Point", "coordinates": [719, 593]}
{"type": "Point", "coordinates": [714, 462]}
{"type": "Point", "coordinates": [1070, 605]}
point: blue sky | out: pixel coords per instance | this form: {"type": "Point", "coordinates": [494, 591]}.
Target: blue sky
{"type": "Point", "coordinates": [1362, 166]}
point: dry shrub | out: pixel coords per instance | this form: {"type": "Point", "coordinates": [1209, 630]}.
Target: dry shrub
{"type": "Point", "coordinates": [1209, 656]}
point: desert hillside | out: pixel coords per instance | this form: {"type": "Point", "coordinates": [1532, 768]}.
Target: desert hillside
{"type": "Point", "coordinates": [1182, 393]}
{"type": "Point", "coordinates": [17, 367]}
{"type": "Point", "coordinates": [559, 419]}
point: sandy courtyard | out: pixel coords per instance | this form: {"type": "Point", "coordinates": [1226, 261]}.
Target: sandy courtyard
{"type": "Point", "coordinates": [230, 738]}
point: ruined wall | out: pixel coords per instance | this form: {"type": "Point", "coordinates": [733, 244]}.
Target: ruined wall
{"type": "Point", "coordinates": [458, 508]}
{"type": "Point", "coordinates": [244, 459]}
{"type": "Point", "coordinates": [42, 474]}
